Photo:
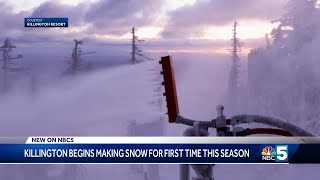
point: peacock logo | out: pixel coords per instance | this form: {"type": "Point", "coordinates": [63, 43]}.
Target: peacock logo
{"type": "Point", "coordinates": [268, 151]}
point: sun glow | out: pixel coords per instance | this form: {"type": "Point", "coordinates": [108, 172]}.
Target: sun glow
{"type": "Point", "coordinates": [246, 30]}
{"type": "Point", "coordinates": [220, 50]}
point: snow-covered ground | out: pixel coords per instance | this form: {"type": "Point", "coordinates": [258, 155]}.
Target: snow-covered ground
{"type": "Point", "coordinates": [105, 102]}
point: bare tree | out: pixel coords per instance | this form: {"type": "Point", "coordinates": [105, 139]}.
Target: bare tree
{"type": "Point", "coordinates": [136, 51]}
{"type": "Point", "coordinates": [8, 65]}
{"type": "Point", "coordinates": [77, 64]}
{"type": "Point", "coordinates": [235, 68]}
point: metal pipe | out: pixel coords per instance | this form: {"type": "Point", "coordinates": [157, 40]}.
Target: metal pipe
{"type": "Point", "coordinates": [245, 118]}
{"type": "Point", "coordinates": [202, 171]}
{"type": "Point", "coordinates": [184, 168]}
{"type": "Point", "coordinates": [272, 121]}
{"type": "Point", "coordinates": [184, 172]}
{"type": "Point", "coordinates": [196, 128]}
{"type": "Point", "coordinates": [190, 122]}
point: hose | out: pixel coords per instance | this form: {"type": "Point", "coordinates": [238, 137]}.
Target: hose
{"type": "Point", "coordinates": [271, 121]}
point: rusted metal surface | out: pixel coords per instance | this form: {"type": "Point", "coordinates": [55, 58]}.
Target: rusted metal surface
{"type": "Point", "coordinates": [170, 88]}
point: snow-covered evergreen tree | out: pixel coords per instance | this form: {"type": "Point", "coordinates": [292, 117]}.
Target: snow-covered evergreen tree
{"type": "Point", "coordinates": [297, 26]}
{"type": "Point", "coordinates": [136, 51]}
{"type": "Point", "coordinates": [285, 77]}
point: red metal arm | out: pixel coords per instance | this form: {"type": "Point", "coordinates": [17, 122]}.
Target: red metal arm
{"type": "Point", "coordinates": [170, 88]}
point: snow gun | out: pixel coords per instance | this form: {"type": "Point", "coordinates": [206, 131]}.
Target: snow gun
{"type": "Point", "coordinates": [222, 124]}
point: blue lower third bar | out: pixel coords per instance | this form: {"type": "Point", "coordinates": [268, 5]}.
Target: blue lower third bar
{"type": "Point", "coordinates": [46, 22]}
{"type": "Point", "coordinates": [159, 153]}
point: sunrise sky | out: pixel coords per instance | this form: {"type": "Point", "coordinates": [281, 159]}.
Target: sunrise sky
{"type": "Point", "coordinates": [193, 25]}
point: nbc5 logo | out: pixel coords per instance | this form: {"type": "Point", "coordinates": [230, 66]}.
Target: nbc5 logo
{"type": "Point", "coordinates": [282, 153]}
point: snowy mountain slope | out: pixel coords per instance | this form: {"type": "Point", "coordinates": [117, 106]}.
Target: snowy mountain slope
{"type": "Point", "coordinates": [99, 104]}
{"type": "Point", "coordinates": [75, 105]}
{"type": "Point", "coordinates": [103, 104]}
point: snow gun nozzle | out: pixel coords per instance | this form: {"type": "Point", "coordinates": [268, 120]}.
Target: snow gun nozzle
{"type": "Point", "coordinates": [220, 109]}
{"type": "Point", "coordinates": [170, 88]}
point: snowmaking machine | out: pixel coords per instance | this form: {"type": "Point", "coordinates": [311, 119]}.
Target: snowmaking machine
{"type": "Point", "coordinates": [224, 126]}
